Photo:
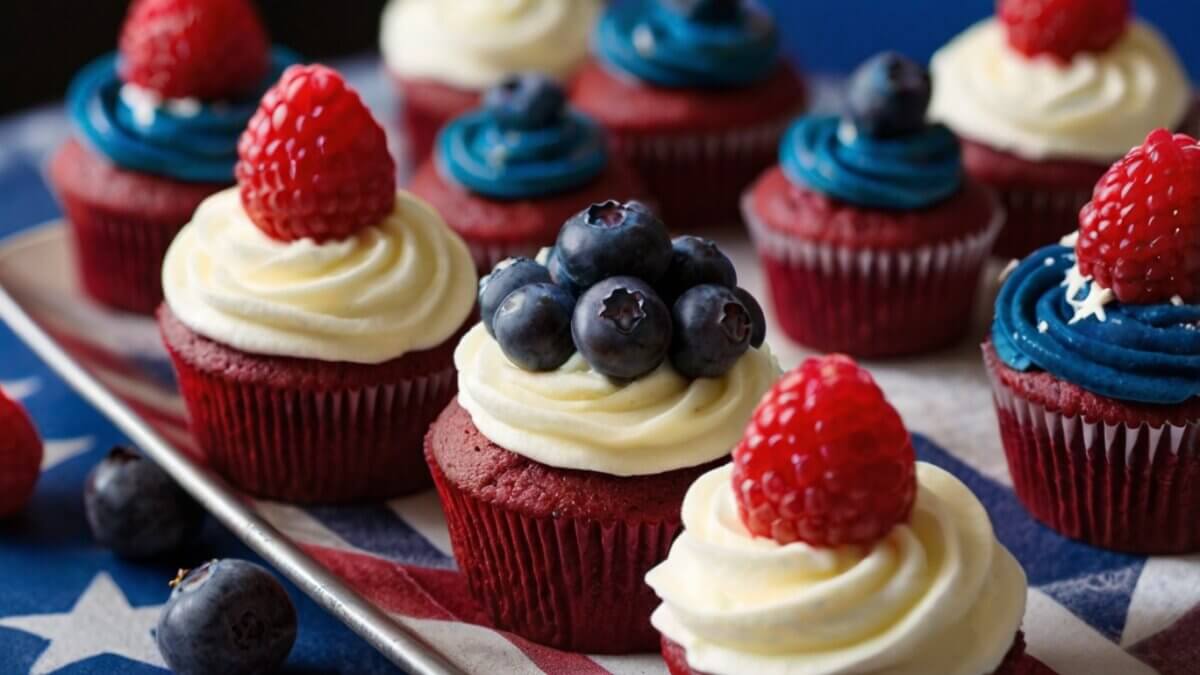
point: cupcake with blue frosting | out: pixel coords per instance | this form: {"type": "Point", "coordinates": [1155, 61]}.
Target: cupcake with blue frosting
{"type": "Point", "coordinates": [1094, 357]}
{"type": "Point", "coordinates": [507, 175]}
{"type": "Point", "coordinates": [156, 128]}
{"type": "Point", "coordinates": [695, 94]}
{"type": "Point", "coordinates": [871, 236]}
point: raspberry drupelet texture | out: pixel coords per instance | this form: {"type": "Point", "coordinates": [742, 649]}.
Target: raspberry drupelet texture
{"type": "Point", "coordinates": [20, 457]}
{"type": "Point", "coordinates": [825, 460]}
{"type": "Point", "coordinates": [207, 49]}
{"type": "Point", "coordinates": [1063, 28]}
{"type": "Point", "coordinates": [1140, 234]}
{"type": "Point", "coordinates": [313, 162]}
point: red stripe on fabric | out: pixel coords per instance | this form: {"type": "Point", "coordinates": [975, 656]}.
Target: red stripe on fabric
{"type": "Point", "coordinates": [426, 593]}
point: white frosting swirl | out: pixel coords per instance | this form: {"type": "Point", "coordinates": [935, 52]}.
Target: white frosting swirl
{"type": "Point", "coordinates": [576, 418]}
{"type": "Point", "coordinates": [938, 595]}
{"type": "Point", "coordinates": [405, 285]}
{"type": "Point", "coordinates": [1096, 107]}
{"type": "Point", "coordinates": [473, 44]}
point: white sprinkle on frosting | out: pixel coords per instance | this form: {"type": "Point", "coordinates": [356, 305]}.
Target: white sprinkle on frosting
{"type": "Point", "coordinates": [1091, 305]}
{"type": "Point", "coordinates": [1043, 326]}
{"type": "Point", "coordinates": [1177, 301]}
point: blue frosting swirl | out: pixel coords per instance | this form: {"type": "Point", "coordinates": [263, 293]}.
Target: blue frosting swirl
{"type": "Point", "coordinates": [1140, 353]}
{"type": "Point", "coordinates": [497, 161]}
{"type": "Point", "coordinates": [196, 145]}
{"type": "Point", "coordinates": [664, 47]}
{"type": "Point", "coordinates": [909, 172]}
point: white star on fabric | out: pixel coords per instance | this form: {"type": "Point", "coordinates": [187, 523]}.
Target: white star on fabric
{"type": "Point", "coordinates": [58, 451]}
{"type": "Point", "coordinates": [21, 389]}
{"type": "Point", "coordinates": [101, 622]}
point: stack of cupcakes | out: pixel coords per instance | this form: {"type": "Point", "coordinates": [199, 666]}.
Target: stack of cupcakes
{"type": "Point", "coordinates": [871, 236]}
{"type": "Point", "coordinates": [695, 96]}
{"type": "Point", "coordinates": [594, 391]}
{"type": "Point", "coordinates": [825, 548]}
{"type": "Point", "coordinates": [312, 312]}
{"type": "Point", "coordinates": [156, 131]}
{"type": "Point", "coordinates": [1095, 360]}
{"type": "Point", "coordinates": [443, 54]}
{"type": "Point", "coordinates": [1046, 96]}
{"type": "Point", "coordinates": [508, 175]}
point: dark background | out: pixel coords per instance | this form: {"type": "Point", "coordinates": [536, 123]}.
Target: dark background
{"type": "Point", "coordinates": [43, 42]}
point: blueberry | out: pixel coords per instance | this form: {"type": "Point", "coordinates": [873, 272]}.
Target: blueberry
{"type": "Point", "coordinates": [622, 328]}
{"type": "Point", "coordinates": [612, 239]}
{"type": "Point", "coordinates": [888, 96]}
{"type": "Point", "coordinates": [712, 331]}
{"type": "Point", "coordinates": [707, 11]}
{"type": "Point", "coordinates": [526, 101]}
{"type": "Point", "coordinates": [559, 275]}
{"type": "Point", "coordinates": [696, 261]}
{"type": "Point", "coordinates": [533, 326]}
{"type": "Point", "coordinates": [508, 276]}
{"type": "Point", "coordinates": [134, 508]}
{"type": "Point", "coordinates": [226, 616]}
{"type": "Point", "coordinates": [759, 335]}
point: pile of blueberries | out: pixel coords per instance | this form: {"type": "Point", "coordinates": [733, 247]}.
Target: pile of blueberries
{"type": "Point", "coordinates": [618, 290]}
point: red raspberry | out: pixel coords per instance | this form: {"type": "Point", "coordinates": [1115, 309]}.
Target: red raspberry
{"type": "Point", "coordinates": [825, 460]}
{"type": "Point", "coordinates": [313, 162]}
{"type": "Point", "coordinates": [1063, 28]}
{"type": "Point", "coordinates": [20, 457]}
{"type": "Point", "coordinates": [208, 49]}
{"type": "Point", "coordinates": [1140, 234]}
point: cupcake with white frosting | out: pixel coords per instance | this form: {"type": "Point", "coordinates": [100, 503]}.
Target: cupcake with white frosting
{"type": "Point", "coordinates": [1046, 96]}
{"type": "Point", "coordinates": [825, 549]}
{"type": "Point", "coordinates": [312, 312]}
{"type": "Point", "coordinates": [443, 54]}
{"type": "Point", "coordinates": [596, 388]}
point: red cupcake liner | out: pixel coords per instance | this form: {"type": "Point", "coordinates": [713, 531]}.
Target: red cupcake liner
{"type": "Point", "coordinates": [1037, 218]}
{"type": "Point", "coordinates": [1116, 484]}
{"type": "Point", "coordinates": [869, 302]}
{"type": "Point", "coordinates": [1016, 662]}
{"type": "Point", "coordinates": [426, 107]}
{"type": "Point", "coordinates": [122, 223]}
{"type": "Point", "coordinates": [697, 178]}
{"type": "Point", "coordinates": [570, 583]}
{"type": "Point", "coordinates": [310, 442]}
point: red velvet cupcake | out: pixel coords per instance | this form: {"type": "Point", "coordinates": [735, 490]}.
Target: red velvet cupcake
{"type": "Point", "coordinates": [312, 319]}
{"type": "Point", "coordinates": [156, 133]}
{"type": "Point", "coordinates": [872, 240]}
{"type": "Point", "coordinates": [826, 548]}
{"type": "Point", "coordinates": [1095, 361]}
{"type": "Point", "coordinates": [1032, 94]}
{"type": "Point", "coordinates": [443, 54]}
{"type": "Point", "coordinates": [505, 177]}
{"type": "Point", "coordinates": [695, 97]}
{"type": "Point", "coordinates": [580, 423]}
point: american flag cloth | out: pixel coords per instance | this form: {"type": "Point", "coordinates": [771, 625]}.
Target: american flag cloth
{"type": "Point", "coordinates": [68, 606]}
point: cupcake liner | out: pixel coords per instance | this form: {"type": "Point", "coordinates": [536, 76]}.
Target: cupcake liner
{"type": "Point", "coordinates": [1016, 662]}
{"type": "Point", "coordinates": [1037, 218]}
{"type": "Point", "coordinates": [570, 583]}
{"type": "Point", "coordinates": [1120, 486]}
{"type": "Point", "coordinates": [872, 302]}
{"type": "Point", "coordinates": [119, 255]}
{"type": "Point", "coordinates": [312, 444]}
{"type": "Point", "coordinates": [697, 177]}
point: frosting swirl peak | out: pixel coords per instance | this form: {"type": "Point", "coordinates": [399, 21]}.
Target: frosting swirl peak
{"type": "Point", "coordinates": [938, 595]}
{"type": "Point", "coordinates": [575, 418]}
{"type": "Point", "coordinates": [906, 172]}
{"type": "Point", "coordinates": [1140, 353]}
{"type": "Point", "coordinates": [667, 48]}
{"type": "Point", "coordinates": [1096, 107]}
{"type": "Point", "coordinates": [186, 139]}
{"type": "Point", "coordinates": [472, 44]}
{"type": "Point", "coordinates": [404, 285]}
